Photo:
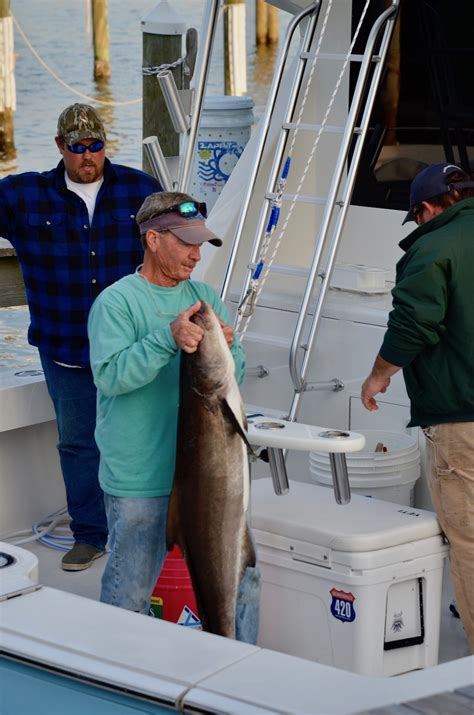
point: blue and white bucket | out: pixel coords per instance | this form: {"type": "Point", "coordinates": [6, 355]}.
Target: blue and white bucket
{"type": "Point", "coordinates": [225, 129]}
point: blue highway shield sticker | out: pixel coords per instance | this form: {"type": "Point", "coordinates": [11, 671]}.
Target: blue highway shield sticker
{"type": "Point", "coordinates": [342, 605]}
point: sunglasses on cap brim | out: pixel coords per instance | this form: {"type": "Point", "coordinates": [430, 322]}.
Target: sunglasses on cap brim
{"type": "Point", "coordinates": [82, 148]}
{"type": "Point", "coordinates": [187, 209]}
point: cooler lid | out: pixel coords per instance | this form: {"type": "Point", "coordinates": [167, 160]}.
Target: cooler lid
{"type": "Point", "coordinates": [310, 513]}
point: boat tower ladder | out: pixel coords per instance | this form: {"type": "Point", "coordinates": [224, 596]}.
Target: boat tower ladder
{"type": "Point", "coordinates": [336, 203]}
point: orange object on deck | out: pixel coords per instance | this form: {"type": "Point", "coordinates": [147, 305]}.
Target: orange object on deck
{"type": "Point", "coordinates": [173, 597]}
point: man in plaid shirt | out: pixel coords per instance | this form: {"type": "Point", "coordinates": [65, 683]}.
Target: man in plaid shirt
{"type": "Point", "coordinates": [75, 233]}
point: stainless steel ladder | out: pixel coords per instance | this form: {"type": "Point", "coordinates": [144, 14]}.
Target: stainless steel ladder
{"type": "Point", "coordinates": [340, 191]}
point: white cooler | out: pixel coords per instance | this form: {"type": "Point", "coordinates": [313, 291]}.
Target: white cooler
{"type": "Point", "coordinates": [356, 586]}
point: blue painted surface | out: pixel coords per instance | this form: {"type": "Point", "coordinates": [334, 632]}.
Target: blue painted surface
{"type": "Point", "coordinates": [25, 690]}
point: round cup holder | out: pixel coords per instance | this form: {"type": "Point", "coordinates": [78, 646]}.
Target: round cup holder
{"type": "Point", "coordinates": [270, 425]}
{"type": "Point", "coordinates": [334, 434]}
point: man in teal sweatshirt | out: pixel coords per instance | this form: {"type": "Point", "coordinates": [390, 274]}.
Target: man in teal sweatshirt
{"type": "Point", "coordinates": [137, 328]}
{"type": "Point", "coordinates": [430, 336]}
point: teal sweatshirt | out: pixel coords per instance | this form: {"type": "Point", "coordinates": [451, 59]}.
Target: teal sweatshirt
{"type": "Point", "coordinates": [431, 327]}
{"type": "Point", "coordinates": [135, 363]}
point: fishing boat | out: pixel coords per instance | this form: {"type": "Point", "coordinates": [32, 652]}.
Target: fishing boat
{"type": "Point", "coordinates": [355, 611]}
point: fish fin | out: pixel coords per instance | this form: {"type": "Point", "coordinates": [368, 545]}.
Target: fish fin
{"type": "Point", "coordinates": [229, 412]}
{"type": "Point", "coordinates": [250, 558]}
{"type": "Point", "coordinates": [172, 521]}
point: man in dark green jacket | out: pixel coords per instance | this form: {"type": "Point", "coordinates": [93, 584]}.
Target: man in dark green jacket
{"type": "Point", "coordinates": [430, 336]}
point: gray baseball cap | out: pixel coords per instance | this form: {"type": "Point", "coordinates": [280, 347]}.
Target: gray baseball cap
{"type": "Point", "coordinates": [188, 230]}
{"type": "Point", "coordinates": [80, 121]}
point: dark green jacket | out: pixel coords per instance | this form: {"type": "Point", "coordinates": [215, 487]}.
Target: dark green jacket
{"type": "Point", "coordinates": [431, 327]}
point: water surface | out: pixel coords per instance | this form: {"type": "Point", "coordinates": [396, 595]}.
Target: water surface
{"type": "Point", "coordinates": [58, 31]}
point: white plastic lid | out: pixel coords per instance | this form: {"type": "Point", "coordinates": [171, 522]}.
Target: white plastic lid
{"type": "Point", "coordinates": [310, 513]}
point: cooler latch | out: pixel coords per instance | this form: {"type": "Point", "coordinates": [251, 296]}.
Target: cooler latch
{"type": "Point", "coordinates": [311, 554]}
{"type": "Point", "coordinates": [301, 551]}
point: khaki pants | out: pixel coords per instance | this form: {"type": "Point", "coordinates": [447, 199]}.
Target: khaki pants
{"type": "Point", "coordinates": [450, 462]}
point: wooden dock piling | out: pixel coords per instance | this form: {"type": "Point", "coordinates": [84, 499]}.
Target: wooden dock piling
{"type": "Point", "coordinates": [266, 23]}
{"type": "Point", "coordinates": [7, 83]}
{"type": "Point", "coordinates": [272, 25]}
{"type": "Point", "coordinates": [235, 56]}
{"type": "Point", "coordinates": [100, 24]}
{"type": "Point", "coordinates": [162, 31]}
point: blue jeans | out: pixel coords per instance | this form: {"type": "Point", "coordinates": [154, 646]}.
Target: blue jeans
{"type": "Point", "coordinates": [138, 549]}
{"type": "Point", "coordinates": [73, 393]}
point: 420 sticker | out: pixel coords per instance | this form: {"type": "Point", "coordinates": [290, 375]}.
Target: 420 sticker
{"type": "Point", "coordinates": [342, 605]}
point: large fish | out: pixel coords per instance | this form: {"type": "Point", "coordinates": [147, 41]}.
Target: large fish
{"type": "Point", "coordinates": [207, 514]}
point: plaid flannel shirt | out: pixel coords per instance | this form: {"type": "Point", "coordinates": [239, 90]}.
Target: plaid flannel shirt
{"type": "Point", "coordinates": [65, 260]}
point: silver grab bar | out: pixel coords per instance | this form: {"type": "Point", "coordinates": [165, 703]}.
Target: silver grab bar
{"type": "Point", "coordinates": [158, 162]}
{"type": "Point", "coordinates": [340, 477]}
{"type": "Point", "coordinates": [173, 102]}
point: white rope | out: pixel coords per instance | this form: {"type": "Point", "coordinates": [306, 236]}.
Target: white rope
{"type": "Point", "coordinates": [268, 266]}
{"type": "Point", "coordinates": [62, 82]}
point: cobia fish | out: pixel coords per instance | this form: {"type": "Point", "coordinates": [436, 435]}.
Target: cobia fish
{"type": "Point", "coordinates": [207, 514]}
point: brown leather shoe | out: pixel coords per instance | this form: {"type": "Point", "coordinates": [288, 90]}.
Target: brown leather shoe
{"type": "Point", "coordinates": [80, 557]}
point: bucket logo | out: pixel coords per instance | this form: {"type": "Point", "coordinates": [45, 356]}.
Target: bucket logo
{"type": "Point", "coordinates": [216, 161]}
{"type": "Point", "coordinates": [156, 607]}
{"type": "Point", "coordinates": [342, 605]}
{"type": "Point", "coordinates": [188, 618]}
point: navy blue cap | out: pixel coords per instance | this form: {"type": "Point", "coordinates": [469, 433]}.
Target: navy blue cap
{"type": "Point", "coordinates": [433, 181]}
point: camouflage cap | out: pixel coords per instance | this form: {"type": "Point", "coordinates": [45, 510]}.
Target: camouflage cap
{"type": "Point", "coordinates": [80, 121]}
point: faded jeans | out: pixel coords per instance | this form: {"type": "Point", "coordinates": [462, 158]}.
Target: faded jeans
{"type": "Point", "coordinates": [137, 528]}
{"type": "Point", "coordinates": [74, 396]}
{"type": "Point", "coordinates": [450, 461]}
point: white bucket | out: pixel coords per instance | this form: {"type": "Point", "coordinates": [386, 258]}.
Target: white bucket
{"type": "Point", "coordinates": [224, 131]}
{"type": "Point", "coordinates": [390, 476]}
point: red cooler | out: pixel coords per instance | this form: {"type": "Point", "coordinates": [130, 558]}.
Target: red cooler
{"type": "Point", "coordinates": [173, 596]}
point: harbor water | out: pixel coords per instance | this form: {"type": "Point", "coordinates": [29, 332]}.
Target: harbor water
{"type": "Point", "coordinates": [59, 32]}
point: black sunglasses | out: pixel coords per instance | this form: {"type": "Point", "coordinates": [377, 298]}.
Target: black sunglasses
{"type": "Point", "coordinates": [187, 209]}
{"type": "Point", "coordinates": [82, 148]}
